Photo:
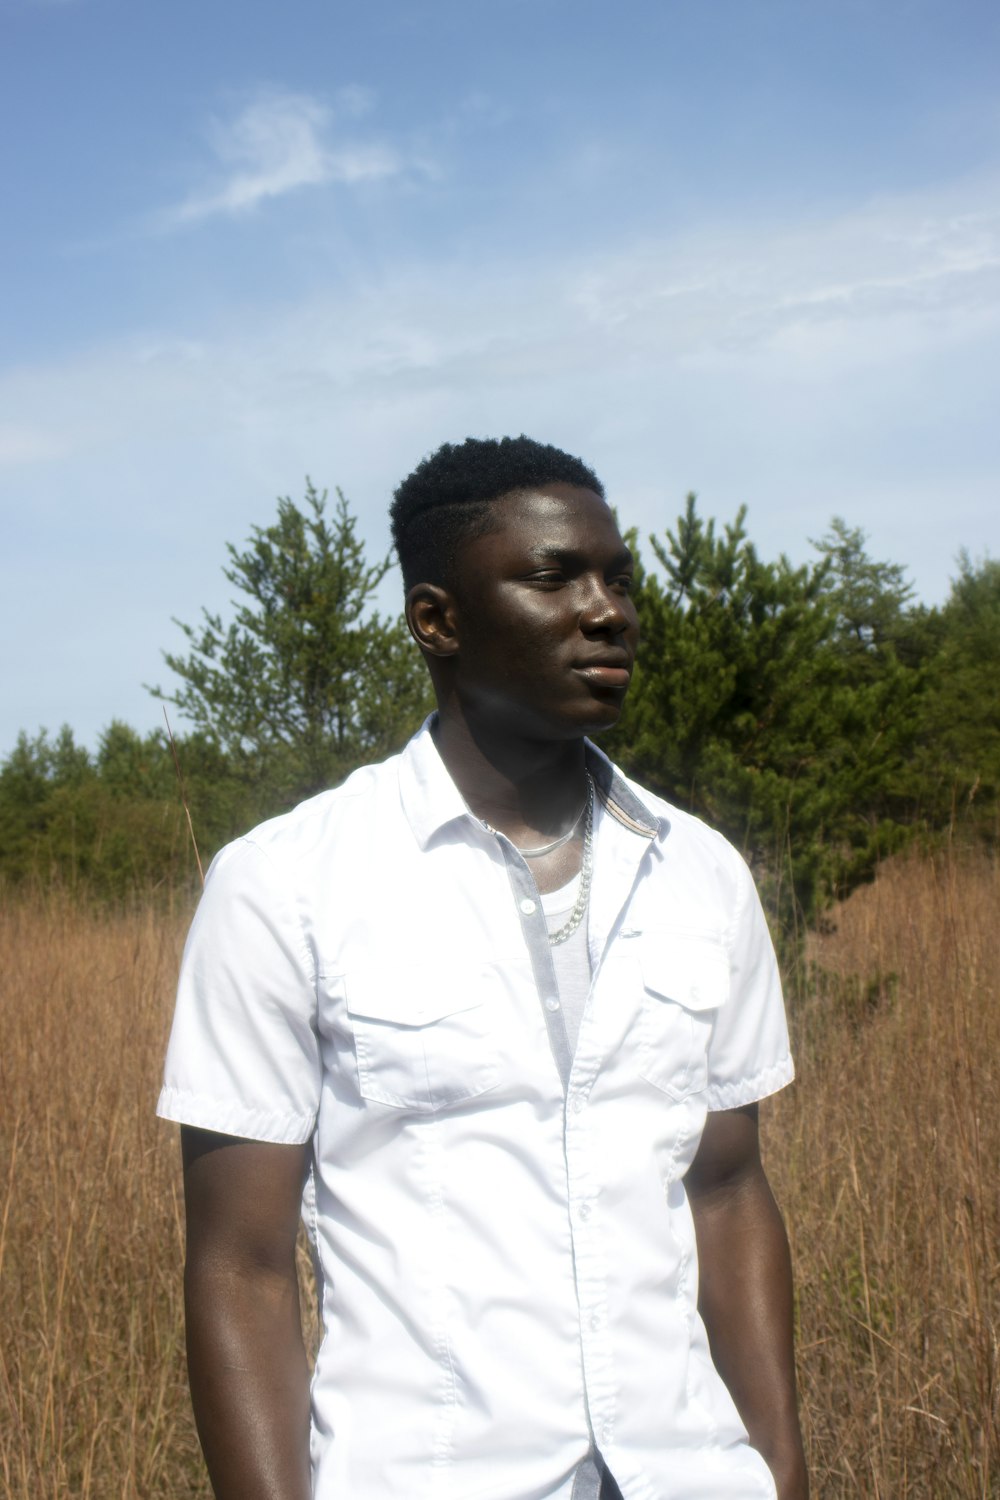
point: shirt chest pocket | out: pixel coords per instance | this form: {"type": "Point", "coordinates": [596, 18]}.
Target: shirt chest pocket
{"type": "Point", "coordinates": [422, 1035]}
{"type": "Point", "coordinates": [685, 980]}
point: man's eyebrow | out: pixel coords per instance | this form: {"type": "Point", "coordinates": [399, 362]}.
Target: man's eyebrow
{"type": "Point", "coordinates": [549, 553]}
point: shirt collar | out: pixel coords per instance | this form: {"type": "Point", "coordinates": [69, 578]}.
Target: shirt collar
{"type": "Point", "coordinates": [431, 800]}
{"type": "Point", "coordinates": [619, 798]}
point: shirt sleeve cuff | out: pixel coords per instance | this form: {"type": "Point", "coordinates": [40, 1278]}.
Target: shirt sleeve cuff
{"type": "Point", "coordinates": [228, 1117]}
{"type": "Point", "coordinates": [748, 1090]}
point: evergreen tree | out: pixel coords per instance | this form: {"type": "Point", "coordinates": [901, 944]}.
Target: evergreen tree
{"type": "Point", "coordinates": [960, 754]}
{"type": "Point", "coordinates": [747, 709]}
{"type": "Point", "coordinates": [304, 683]}
{"type": "Point", "coordinates": [35, 769]}
{"type": "Point", "coordinates": [813, 714]}
{"type": "Point", "coordinates": [871, 599]}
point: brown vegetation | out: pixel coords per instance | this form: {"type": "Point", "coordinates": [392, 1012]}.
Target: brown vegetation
{"type": "Point", "coordinates": [885, 1159]}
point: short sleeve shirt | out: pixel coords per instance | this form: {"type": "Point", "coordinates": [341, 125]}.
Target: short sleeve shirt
{"type": "Point", "coordinates": [505, 1247]}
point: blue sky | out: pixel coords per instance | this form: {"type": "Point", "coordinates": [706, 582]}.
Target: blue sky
{"type": "Point", "coordinates": [746, 247]}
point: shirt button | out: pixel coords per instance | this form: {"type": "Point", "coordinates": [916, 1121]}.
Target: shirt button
{"type": "Point", "coordinates": [551, 1003]}
{"type": "Point", "coordinates": [595, 1321]}
{"type": "Point", "coordinates": [606, 1432]}
{"type": "Point", "coordinates": [577, 1104]}
{"type": "Point", "coordinates": [584, 1210]}
{"type": "Point", "coordinates": [528, 906]}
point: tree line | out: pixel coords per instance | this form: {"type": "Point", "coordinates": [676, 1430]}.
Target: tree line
{"type": "Point", "coordinates": [817, 714]}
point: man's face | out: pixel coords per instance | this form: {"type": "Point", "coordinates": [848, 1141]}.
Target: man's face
{"type": "Point", "coordinates": [547, 630]}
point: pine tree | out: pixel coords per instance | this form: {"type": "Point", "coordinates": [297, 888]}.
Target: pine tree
{"type": "Point", "coordinates": [960, 756]}
{"type": "Point", "coordinates": [305, 682]}
{"type": "Point", "coordinates": [747, 709]}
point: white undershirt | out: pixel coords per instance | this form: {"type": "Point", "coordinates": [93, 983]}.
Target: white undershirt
{"type": "Point", "coordinates": [571, 958]}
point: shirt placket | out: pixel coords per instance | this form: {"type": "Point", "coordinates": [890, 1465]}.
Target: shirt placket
{"type": "Point", "coordinates": [577, 1076]}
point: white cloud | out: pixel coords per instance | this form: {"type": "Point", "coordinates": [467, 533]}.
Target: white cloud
{"type": "Point", "coordinates": [277, 143]}
{"type": "Point", "coordinates": [878, 285]}
{"type": "Point", "coordinates": [904, 263]}
{"type": "Point", "coordinates": [834, 301]}
{"type": "Point", "coordinates": [838, 367]}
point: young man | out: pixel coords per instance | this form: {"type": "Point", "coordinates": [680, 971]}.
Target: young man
{"type": "Point", "coordinates": [508, 1017]}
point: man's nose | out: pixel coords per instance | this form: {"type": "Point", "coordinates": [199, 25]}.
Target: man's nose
{"type": "Point", "coordinates": [607, 609]}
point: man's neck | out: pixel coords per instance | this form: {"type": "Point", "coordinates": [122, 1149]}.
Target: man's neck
{"type": "Point", "coordinates": [531, 790]}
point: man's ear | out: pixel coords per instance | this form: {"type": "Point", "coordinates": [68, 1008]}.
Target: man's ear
{"type": "Point", "coordinates": [432, 617]}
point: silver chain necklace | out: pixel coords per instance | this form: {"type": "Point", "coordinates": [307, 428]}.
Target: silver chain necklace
{"type": "Point", "coordinates": [586, 870]}
{"type": "Point", "coordinates": [563, 838]}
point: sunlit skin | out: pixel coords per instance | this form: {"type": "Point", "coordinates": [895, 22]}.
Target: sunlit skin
{"type": "Point", "coordinates": [547, 629]}
{"type": "Point", "coordinates": [529, 651]}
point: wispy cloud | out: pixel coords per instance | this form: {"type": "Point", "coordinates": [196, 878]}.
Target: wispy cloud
{"type": "Point", "coordinates": [893, 261]}
{"type": "Point", "coordinates": [837, 367]}
{"type": "Point", "coordinates": [883, 288]}
{"type": "Point", "coordinates": [278, 143]}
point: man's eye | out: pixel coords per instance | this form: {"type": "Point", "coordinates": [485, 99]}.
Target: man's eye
{"type": "Point", "coordinates": [548, 575]}
{"type": "Point", "coordinates": [624, 582]}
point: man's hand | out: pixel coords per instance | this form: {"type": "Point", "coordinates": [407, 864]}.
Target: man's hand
{"type": "Point", "coordinates": [246, 1360]}
{"type": "Point", "coordinates": [745, 1290]}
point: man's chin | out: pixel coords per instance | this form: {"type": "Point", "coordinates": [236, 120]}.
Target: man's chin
{"type": "Point", "coordinates": [599, 716]}
{"type": "Point", "coordinates": [606, 708]}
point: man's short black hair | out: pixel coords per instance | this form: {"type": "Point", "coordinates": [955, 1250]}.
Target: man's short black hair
{"type": "Point", "coordinates": [447, 498]}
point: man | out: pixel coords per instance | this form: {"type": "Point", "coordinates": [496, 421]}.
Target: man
{"type": "Point", "coordinates": [508, 1017]}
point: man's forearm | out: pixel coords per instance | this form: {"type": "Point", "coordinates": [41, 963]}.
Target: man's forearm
{"type": "Point", "coordinates": [745, 1299]}
{"type": "Point", "coordinates": [249, 1382]}
{"type": "Point", "coordinates": [246, 1360]}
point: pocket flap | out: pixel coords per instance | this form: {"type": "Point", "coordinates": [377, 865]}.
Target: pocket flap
{"type": "Point", "coordinates": [412, 996]}
{"type": "Point", "coordinates": [693, 972]}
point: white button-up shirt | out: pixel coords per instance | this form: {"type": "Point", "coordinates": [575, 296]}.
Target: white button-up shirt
{"type": "Point", "coordinates": [506, 1251]}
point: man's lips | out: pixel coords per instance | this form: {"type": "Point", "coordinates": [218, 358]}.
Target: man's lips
{"type": "Point", "coordinates": [612, 672]}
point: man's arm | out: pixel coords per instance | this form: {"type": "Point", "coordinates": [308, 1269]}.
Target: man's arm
{"type": "Point", "coordinates": [745, 1290]}
{"type": "Point", "coordinates": [246, 1360]}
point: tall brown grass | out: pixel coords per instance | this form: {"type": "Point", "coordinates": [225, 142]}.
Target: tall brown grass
{"type": "Point", "coordinates": [885, 1157]}
{"type": "Point", "coordinates": [92, 1387]}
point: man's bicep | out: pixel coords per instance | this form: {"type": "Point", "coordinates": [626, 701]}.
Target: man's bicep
{"type": "Point", "coordinates": [728, 1153]}
{"type": "Point", "coordinates": [242, 1198]}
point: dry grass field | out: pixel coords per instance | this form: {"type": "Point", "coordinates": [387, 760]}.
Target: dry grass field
{"type": "Point", "coordinates": [885, 1157]}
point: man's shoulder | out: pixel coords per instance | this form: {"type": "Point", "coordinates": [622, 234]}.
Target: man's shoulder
{"type": "Point", "coordinates": [680, 825]}
{"type": "Point", "coordinates": [707, 879]}
{"type": "Point", "coordinates": [306, 829]}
